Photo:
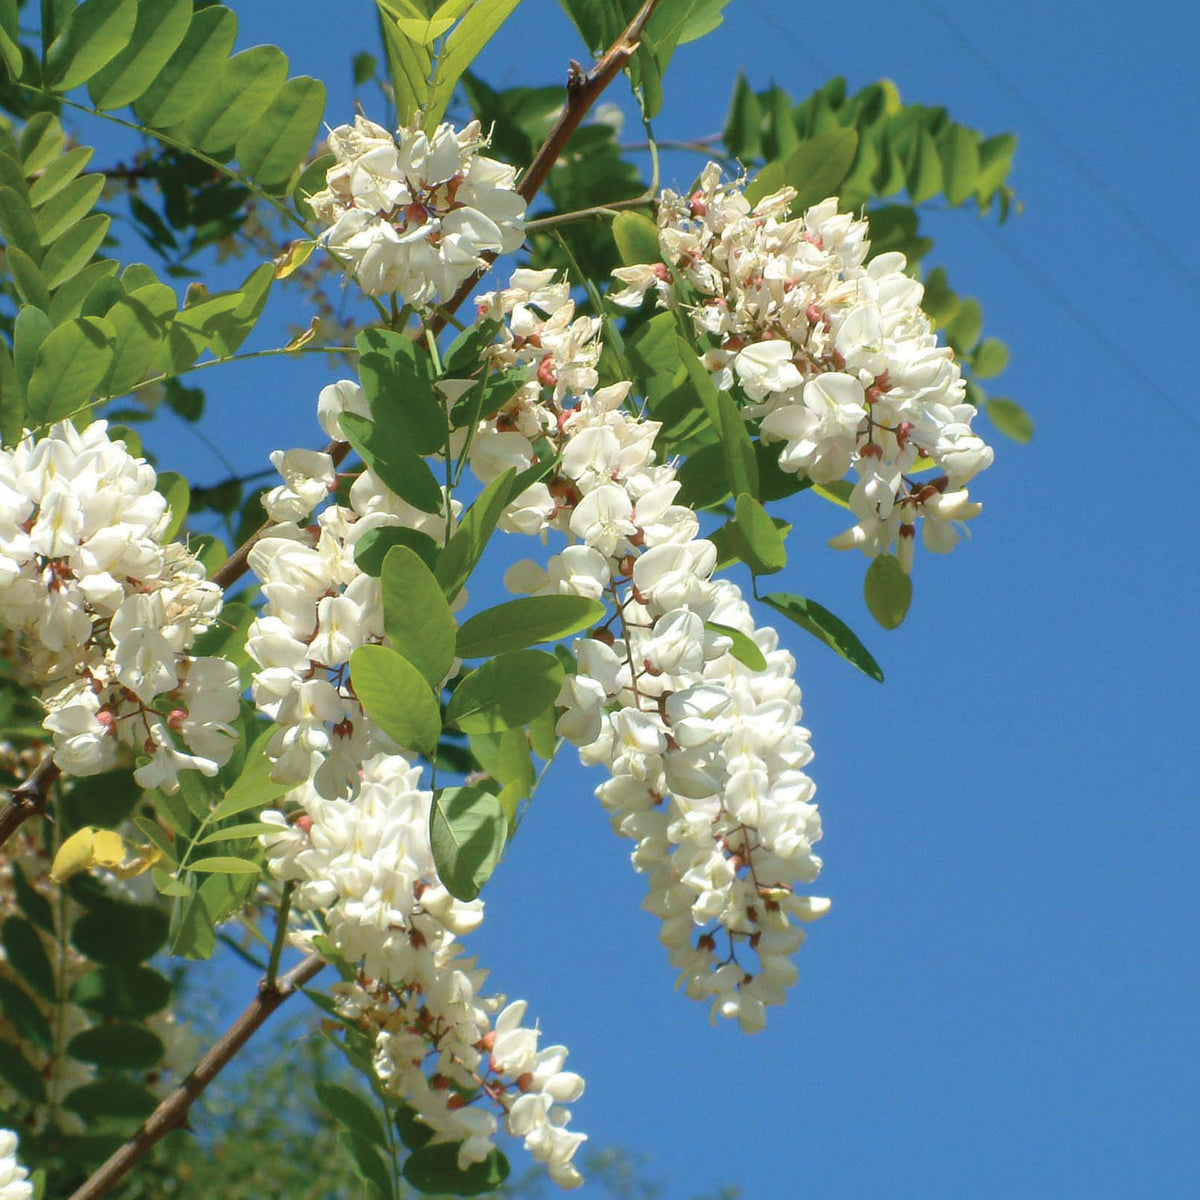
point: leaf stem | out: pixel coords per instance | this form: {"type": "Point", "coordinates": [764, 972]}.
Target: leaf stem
{"type": "Point", "coordinates": [281, 925]}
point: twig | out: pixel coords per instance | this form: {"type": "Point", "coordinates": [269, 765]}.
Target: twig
{"type": "Point", "coordinates": [28, 799]}
{"type": "Point", "coordinates": [172, 1112]}
{"type": "Point", "coordinates": [597, 210]}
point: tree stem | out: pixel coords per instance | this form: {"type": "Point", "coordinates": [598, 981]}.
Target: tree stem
{"type": "Point", "coordinates": [28, 799]}
{"type": "Point", "coordinates": [172, 1112]}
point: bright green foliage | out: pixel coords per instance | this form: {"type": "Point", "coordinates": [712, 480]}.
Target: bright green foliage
{"type": "Point", "coordinates": [759, 542]}
{"type": "Point", "coordinates": [824, 626]}
{"type": "Point", "coordinates": [887, 591]}
{"type": "Point", "coordinates": [396, 695]}
{"type": "Point", "coordinates": [381, 447]}
{"type": "Point", "coordinates": [525, 622]}
{"type": "Point", "coordinates": [416, 617]}
{"type": "Point", "coordinates": [460, 554]}
{"type": "Point", "coordinates": [467, 831]}
{"type": "Point", "coordinates": [506, 692]}
{"type": "Point", "coordinates": [743, 648]}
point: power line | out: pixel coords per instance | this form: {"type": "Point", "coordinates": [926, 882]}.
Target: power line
{"type": "Point", "coordinates": [1105, 190]}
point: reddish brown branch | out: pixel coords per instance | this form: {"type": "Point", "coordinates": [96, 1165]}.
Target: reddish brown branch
{"type": "Point", "coordinates": [28, 799]}
{"type": "Point", "coordinates": [172, 1112]}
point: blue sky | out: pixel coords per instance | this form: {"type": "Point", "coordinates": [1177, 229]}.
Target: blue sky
{"type": "Point", "coordinates": [1001, 1002]}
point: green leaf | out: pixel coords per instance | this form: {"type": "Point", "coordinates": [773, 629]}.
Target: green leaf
{"type": "Point", "coordinates": [254, 788]}
{"type": "Point", "coordinates": [223, 864]}
{"type": "Point", "coordinates": [17, 224]}
{"type": "Point", "coordinates": [824, 626]}
{"type": "Point", "coordinates": [275, 145]}
{"type": "Point", "coordinates": [989, 359]}
{"type": "Point", "coordinates": [191, 69]}
{"type": "Point", "coordinates": [410, 66]}
{"type": "Point", "coordinates": [353, 1111]}
{"type": "Point", "coordinates": [159, 30]}
{"type": "Point", "coordinates": [743, 125]}
{"type": "Point", "coordinates": [395, 694]}
{"type": "Point", "coordinates": [228, 329]}
{"type": "Point", "coordinates": [27, 956]}
{"type": "Point", "coordinates": [140, 333]}
{"type": "Point", "coordinates": [761, 543]}
{"type": "Point", "coordinates": [398, 382]}
{"type": "Point", "coordinates": [466, 40]}
{"type": "Point", "coordinates": [119, 1046]}
{"type": "Point", "coordinates": [31, 287]}
{"type": "Point", "coordinates": [416, 617]}
{"type": "Point", "coordinates": [414, 1133]}
{"type": "Point", "coordinates": [73, 202]}
{"type": "Point", "coordinates": [467, 831]}
{"type": "Point", "coordinates": [20, 1074]}
{"type": "Point", "coordinates": [434, 1170]}
{"type": "Point", "coordinates": [70, 254]}
{"type": "Point", "coordinates": [815, 169]}
{"type": "Point", "coordinates": [398, 468]}
{"type": "Point", "coordinates": [525, 622]}
{"type": "Point", "coordinates": [460, 554]}
{"type": "Point", "coordinates": [132, 992]}
{"type": "Point", "coordinates": [68, 300]}
{"type": "Point", "coordinates": [112, 1097]}
{"type": "Point", "coordinates": [887, 591]}
{"type": "Point", "coordinates": [960, 162]}
{"type": "Point", "coordinates": [741, 466]}
{"type": "Point", "coordinates": [371, 549]}
{"type": "Point", "coordinates": [120, 934]}
{"type": "Point", "coordinates": [924, 168]}
{"type": "Point", "coordinates": [995, 162]}
{"type": "Point", "coordinates": [25, 1017]}
{"type": "Point", "coordinates": [248, 84]}
{"type": "Point", "coordinates": [233, 833]}
{"type": "Point", "coordinates": [1010, 419]}
{"type": "Point", "coordinates": [311, 181]}
{"type": "Point", "coordinates": [369, 1163]}
{"type": "Point", "coordinates": [637, 238]}
{"type": "Point", "coordinates": [10, 46]}
{"type": "Point", "coordinates": [71, 362]}
{"type": "Point", "coordinates": [505, 692]}
{"type": "Point", "coordinates": [94, 34]}
{"type": "Point", "coordinates": [31, 328]}
{"type": "Point", "coordinates": [743, 648]}
{"type": "Point", "coordinates": [58, 174]}
{"type": "Point", "coordinates": [174, 488]}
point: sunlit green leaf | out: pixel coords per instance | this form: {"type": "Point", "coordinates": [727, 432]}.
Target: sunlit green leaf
{"type": "Point", "coordinates": [505, 692]}
{"type": "Point", "coordinates": [94, 34]}
{"type": "Point", "coordinates": [525, 622]}
{"type": "Point", "coordinates": [887, 591]}
{"type": "Point", "coordinates": [824, 626]}
{"type": "Point", "coordinates": [395, 694]}
{"type": "Point", "coordinates": [467, 831]}
{"type": "Point", "coordinates": [416, 617]}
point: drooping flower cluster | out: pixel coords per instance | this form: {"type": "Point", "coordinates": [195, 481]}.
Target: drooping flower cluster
{"type": "Point", "coordinates": [320, 607]}
{"type": "Point", "coordinates": [704, 753]}
{"type": "Point", "coordinates": [366, 866]}
{"type": "Point", "coordinates": [355, 837]}
{"type": "Point", "coordinates": [832, 352]}
{"type": "Point", "coordinates": [109, 613]}
{"type": "Point", "coordinates": [418, 213]}
{"type": "Point", "coordinates": [14, 1178]}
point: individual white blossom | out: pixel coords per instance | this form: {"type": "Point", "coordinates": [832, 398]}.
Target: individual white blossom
{"type": "Point", "coordinates": [833, 353]}
{"type": "Point", "coordinates": [108, 611]}
{"type": "Point", "coordinates": [419, 213]}
{"type": "Point", "coordinates": [14, 1178]}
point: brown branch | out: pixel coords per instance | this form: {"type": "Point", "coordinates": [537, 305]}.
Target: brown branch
{"type": "Point", "coordinates": [172, 1112]}
{"type": "Point", "coordinates": [28, 799]}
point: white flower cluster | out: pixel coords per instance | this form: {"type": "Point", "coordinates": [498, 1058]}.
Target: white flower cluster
{"type": "Point", "coordinates": [365, 865]}
{"type": "Point", "coordinates": [833, 352]}
{"type": "Point", "coordinates": [705, 754]}
{"type": "Point", "coordinates": [417, 214]}
{"type": "Point", "coordinates": [14, 1178]}
{"type": "Point", "coordinates": [320, 607]}
{"type": "Point", "coordinates": [109, 612]}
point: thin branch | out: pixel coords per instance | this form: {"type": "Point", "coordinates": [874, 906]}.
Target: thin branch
{"type": "Point", "coordinates": [172, 1112]}
{"type": "Point", "coordinates": [28, 799]}
{"type": "Point", "coordinates": [598, 210]}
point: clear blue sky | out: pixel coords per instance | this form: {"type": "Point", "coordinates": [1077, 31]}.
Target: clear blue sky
{"type": "Point", "coordinates": [1002, 1002]}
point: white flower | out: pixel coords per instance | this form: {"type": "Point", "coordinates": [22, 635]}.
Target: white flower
{"type": "Point", "coordinates": [14, 1184]}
